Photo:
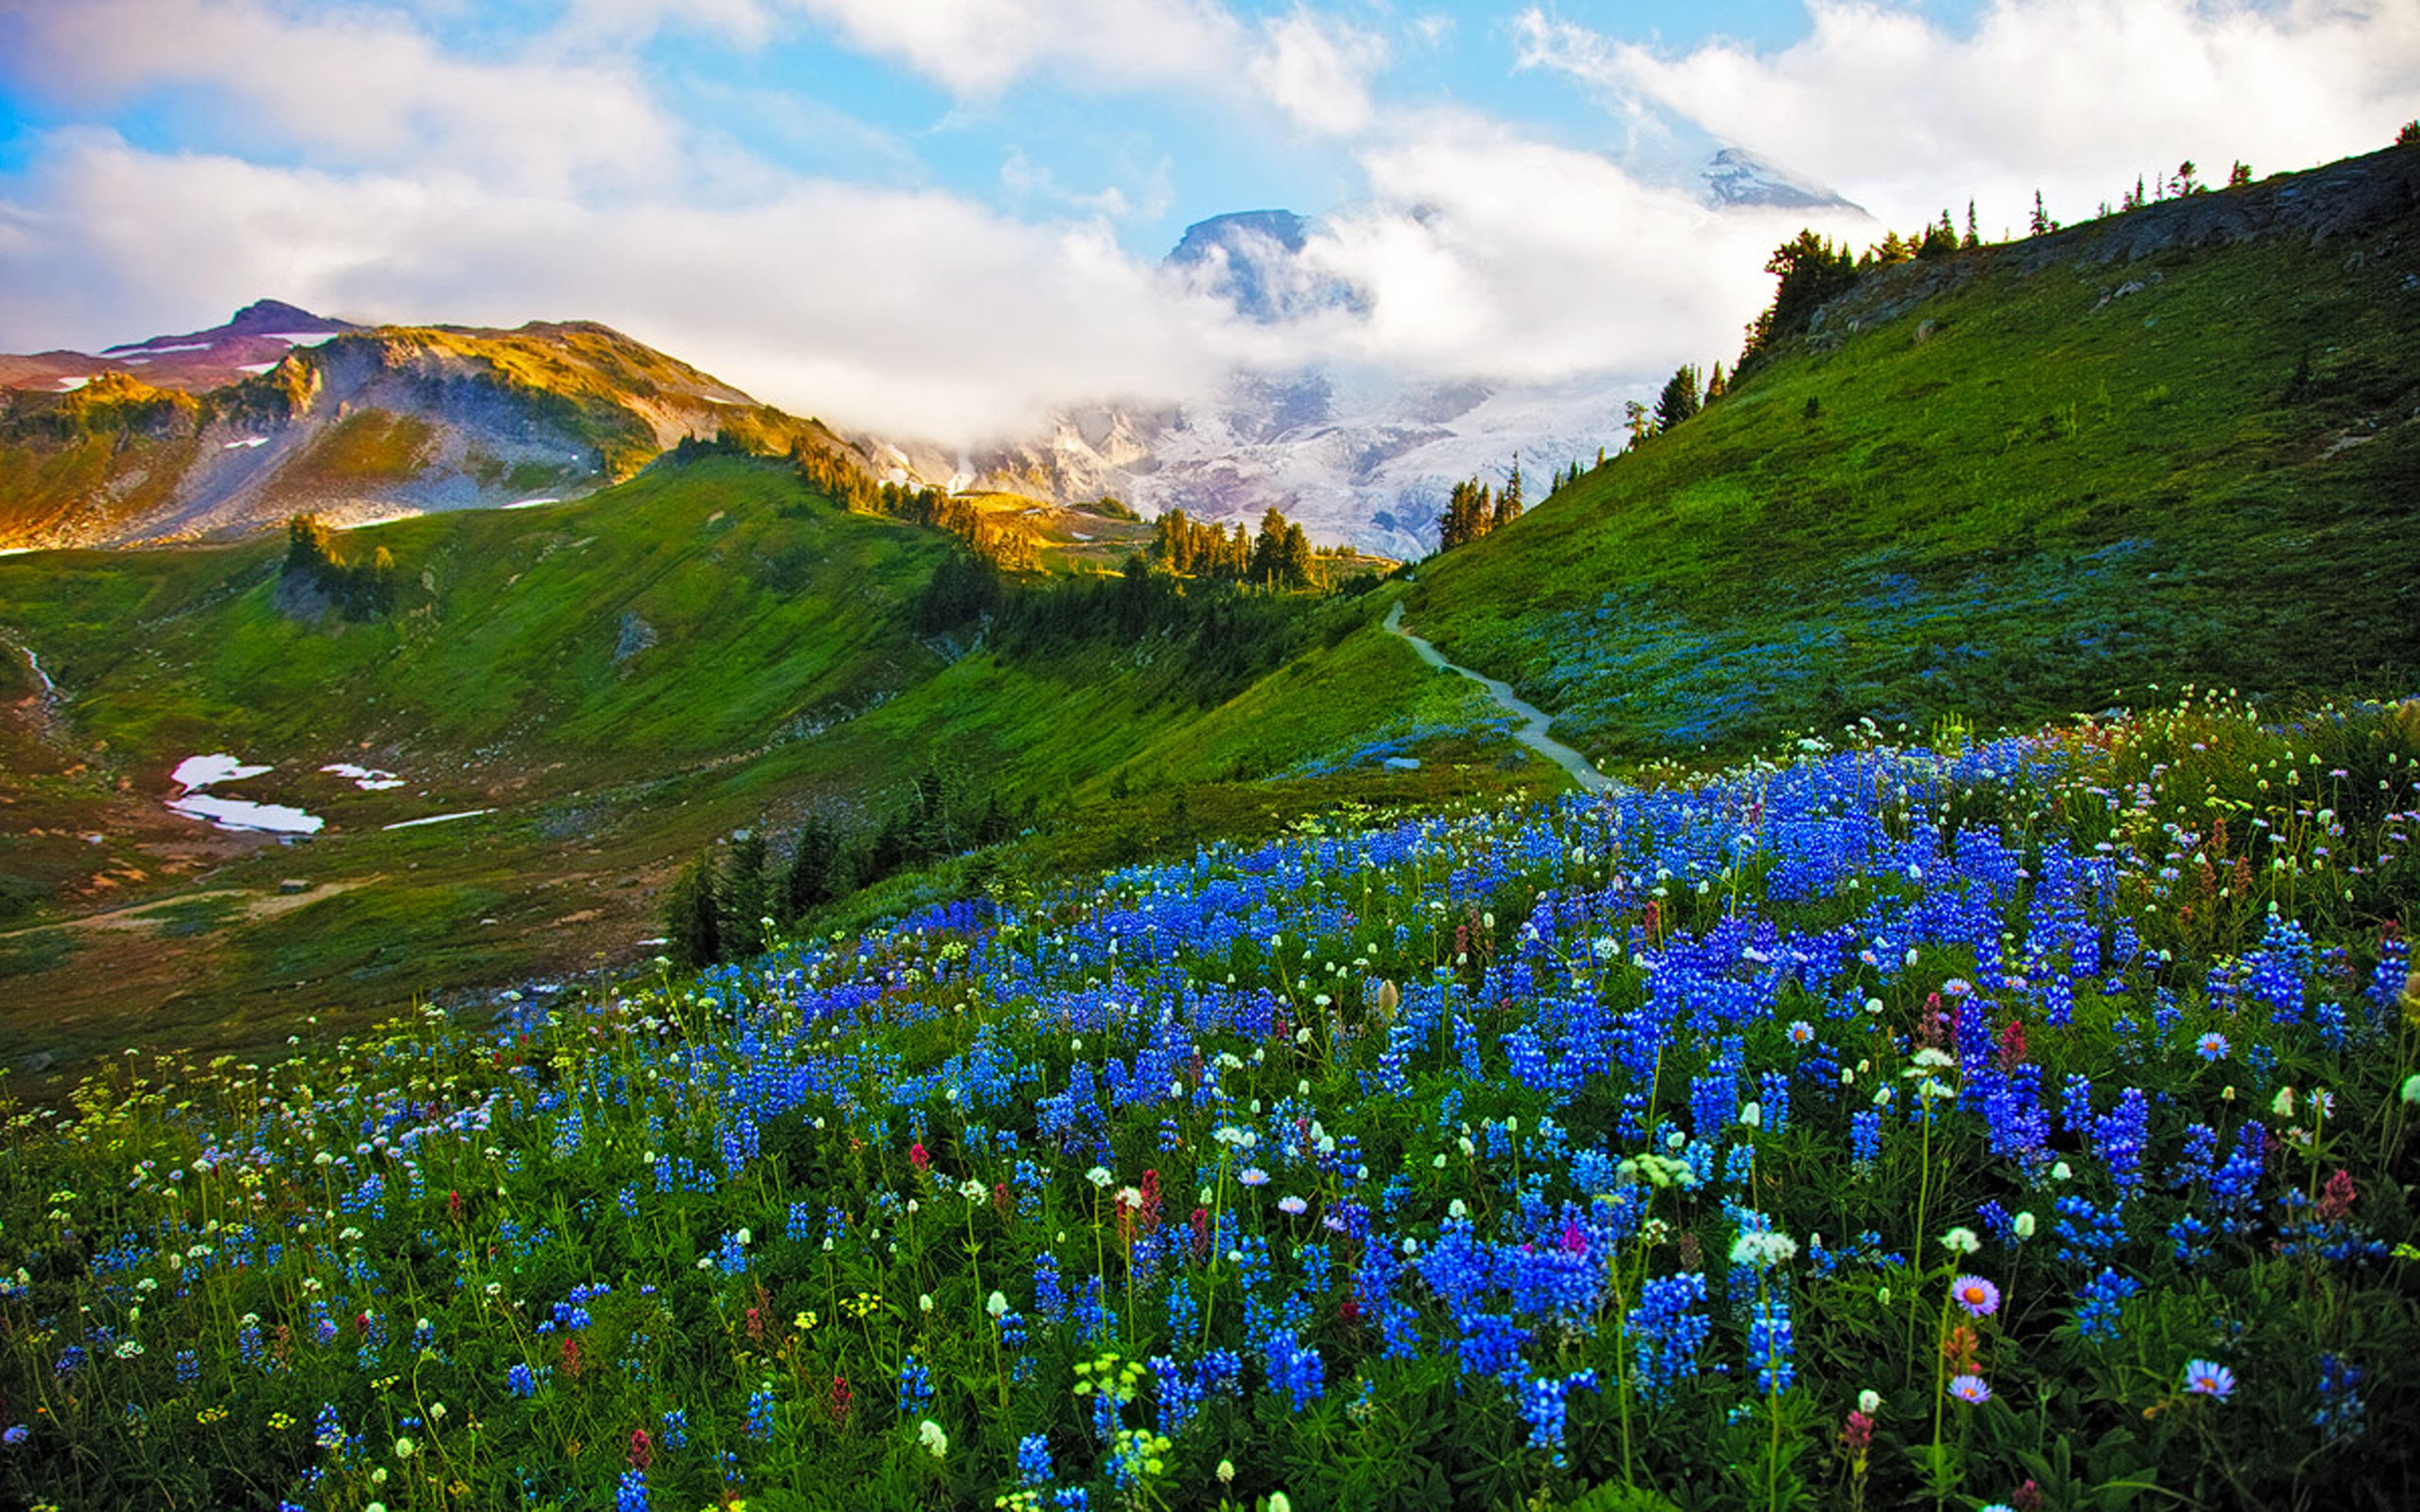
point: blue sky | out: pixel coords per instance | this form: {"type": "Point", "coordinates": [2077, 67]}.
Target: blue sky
{"type": "Point", "coordinates": [945, 216]}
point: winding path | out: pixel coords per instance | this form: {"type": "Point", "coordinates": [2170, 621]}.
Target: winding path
{"type": "Point", "coordinates": [1534, 721]}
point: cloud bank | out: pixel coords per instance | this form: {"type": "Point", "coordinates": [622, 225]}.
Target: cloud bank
{"type": "Point", "coordinates": [359, 161]}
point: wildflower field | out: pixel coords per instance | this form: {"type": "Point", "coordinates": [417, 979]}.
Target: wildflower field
{"type": "Point", "coordinates": [2025, 1124]}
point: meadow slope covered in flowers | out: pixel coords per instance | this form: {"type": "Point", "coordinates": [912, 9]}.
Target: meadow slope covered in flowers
{"type": "Point", "coordinates": [2018, 1124]}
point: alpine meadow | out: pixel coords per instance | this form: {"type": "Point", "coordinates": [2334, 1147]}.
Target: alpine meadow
{"type": "Point", "coordinates": [1355, 932]}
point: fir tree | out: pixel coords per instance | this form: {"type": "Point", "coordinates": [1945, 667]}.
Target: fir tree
{"type": "Point", "coordinates": [2239, 176]}
{"type": "Point", "coordinates": [1295, 557]}
{"type": "Point", "coordinates": [692, 920]}
{"type": "Point", "coordinates": [1974, 237]}
{"type": "Point", "coordinates": [1716, 385]}
{"type": "Point", "coordinates": [746, 896]}
{"type": "Point", "coordinates": [1680, 398]}
{"type": "Point", "coordinates": [1812, 272]}
{"type": "Point", "coordinates": [2041, 224]}
{"type": "Point", "coordinates": [1508, 503]}
{"type": "Point", "coordinates": [807, 884]}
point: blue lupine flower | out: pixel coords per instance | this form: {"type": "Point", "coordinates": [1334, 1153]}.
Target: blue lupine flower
{"type": "Point", "coordinates": [2098, 1303]}
{"type": "Point", "coordinates": [1033, 1460]}
{"type": "Point", "coordinates": [630, 1492]}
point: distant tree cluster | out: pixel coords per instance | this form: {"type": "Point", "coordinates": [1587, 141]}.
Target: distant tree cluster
{"type": "Point", "coordinates": [718, 906]}
{"type": "Point", "coordinates": [1198, 639]}
{"type": "Point", "coordinates": [1473, 510]}
{"type": "Point", "coordinates": [842, 478]}
{"type": "Point", "coordinates": [1280, 555]}
{"type": "Point", "coordinates": [1199, 549]}
{"type": "Point", "coordinates": [1812, 272]}
{"type": "Point", "coordinates": [361, 590]}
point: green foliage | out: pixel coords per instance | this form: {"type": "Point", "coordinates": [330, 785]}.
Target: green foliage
{"type": "Point", "coordinates": [1811, 271]}
{"type": "Point", "coordinates": [618, 1209]}
{"type": "Point", "coordinates": [1474, 510]}
{"type": "Point", "coordinates": [361, 590]}
{"type": "Point", "coordinates": [693, 916]}
{"type": "Point", "coordinates": [1680, 398]}
{"type": "Point", "coordinates": [744, 892]}
{"type": "Point", "coordinates": [2058, 494]}
{"type": "Point", "coordinates": [816, 873]}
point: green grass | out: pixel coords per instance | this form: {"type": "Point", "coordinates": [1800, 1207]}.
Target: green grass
{"type": "Point", "coordinates": [621, 679]}
{"type": "Point", "coordinates": [2043, 499]}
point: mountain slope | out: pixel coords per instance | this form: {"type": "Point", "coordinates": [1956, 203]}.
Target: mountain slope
{"type": "Point", "coordinates": [350, 423]}
{"type": "Point", "coordinates": [2180, 444]}
{"type": "Point", "coordinates": [598, 688]}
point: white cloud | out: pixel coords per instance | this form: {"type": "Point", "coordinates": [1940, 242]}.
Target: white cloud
{"type": "Point", "coordinates": [912, 313]}
{"type": "Point", "coordinates": [351, 88]}
{"type": "Point", "coordinates": [1486, 252]}
{"type": "Point", "coordinates": [1318, 71]}
{"type": "Point", "coordinates": [977, 48]}
{"type": "Point", "coordinates": [2072, 96]}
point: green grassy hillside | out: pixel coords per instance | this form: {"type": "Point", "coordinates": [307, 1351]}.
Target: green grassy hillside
{"type": "Point", "coordinates": [2004, 485]}
{"type": "Point", "coordinates": [616, 682]}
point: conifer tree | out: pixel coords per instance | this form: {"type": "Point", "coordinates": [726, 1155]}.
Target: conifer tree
{"type": "Point", "coordinates": [1295, 557]}
{"type": "Point", "coordinates": [807, 884]}
{"type": "Point", "coordinates": [2040, 223]}
{"type": "Point", "coordinates": [2239, 176]}
{"type": "Point", "coordinates": [1680, 398]}
{"type": "Point", "coordinates": [1974, 237]}
{"type": "Point", "coordinates": [1508, 503]}
{"type": "Point", "coordinates": [745, 897]}
{"type": "Point", "coordinates": [692, 920]}
{"type": "Point", "coordinates": [1716, 386]}
{"type": "Point", "coordinates": [1268, 549]}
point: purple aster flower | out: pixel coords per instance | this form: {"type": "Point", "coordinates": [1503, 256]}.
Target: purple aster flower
{"type": "Point", "coordinates": [1970, 1389]}
{"type": "Point", "coordinates": [2212, 1046]}
{"type": "Point", "coordinates": [2208, 1377]}
{"type": "Point", "coordinates": [1979, 1297]}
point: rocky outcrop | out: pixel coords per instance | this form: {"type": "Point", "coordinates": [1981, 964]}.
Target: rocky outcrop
{"type": "Point", "coordinates": [2354, 199]}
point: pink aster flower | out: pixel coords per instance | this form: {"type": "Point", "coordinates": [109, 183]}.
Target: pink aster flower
{"type": "Point", "coordinates": [1977, 1295]}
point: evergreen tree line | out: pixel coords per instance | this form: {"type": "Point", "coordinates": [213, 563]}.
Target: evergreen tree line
{"type": "Point", "coordinates": [361, 590]}
{"type": "Point", "coordinates": [1279, 556]}
{"type": "Point", "coordinates": [717, 907]}
{"type": "Point", "coordinates": [1203, 640]}
{"type": "Point", "coordinates": [1473, 510]}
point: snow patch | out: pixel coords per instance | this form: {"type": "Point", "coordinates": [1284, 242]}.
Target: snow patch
{"type": "Point", "coordinates": [301, 339]}
{"type": "Point", "coordinates": [437, 819]}
{"type": "Point", "coordinates": [235, 813]}
{"type": "Point", "coordinates": [69, 385]}
{"type": "Point", "coordinates": [248, 441]}
{"type": "Point", "coordinates": [367, 778]}
{"type": "Point", "coordinates": [254, 367]}
{"type": "Point", "coordinates": [531, 504]}
{"type": "Point", "coordinates": [196, 773]}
